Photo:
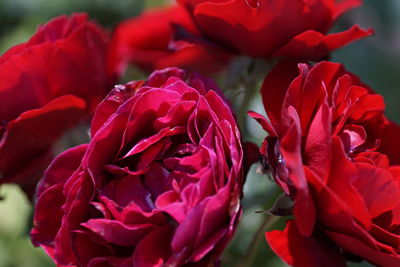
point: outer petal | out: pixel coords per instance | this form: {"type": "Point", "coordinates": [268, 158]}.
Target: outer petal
{"type": "Point", "coordinates": [48, 216]}
{"type": "Point", "coordinates": [79, 192]}
{"type": "Point", "coordinates": [301, 251]}
{"type": "Point", "coordinates": [304, 209]}
{"type": "Point", "coordinates": [275, 87]}
{"type": "Point", "coordinates": [22, 85]}
{"type": "Point", "coordinates": [78, 65]}
{"type": "Point", "coordinates": [378, 189]}
{"type": "Point", "coordinates": [48, 210]}
{"type": "Point", "coordinates": [86, 250]}
{"type": "Point", "coordinates": [318, 143]}
{"type": "Point", "coordinates": [187, 235]}
{"type": "Point", "coordinates": [152, 251]}
{"type": "Point", "coordinates": [151, 45]}
{"type": "Point", "coordinates": [363, 250]}
{"type": "Point", "coordinates": [340, 189]}
{"type": "Point", "coordinates": [204, 58]}
{"type": "Point", "coordinates": [58, 28]}
{"type": "Point", "coordinates": [61, 168]}
{"type": "Point", "coordinates": [315, 45]}
{"type": "Point", "coordinates": [17, 149]}
{"type": "Point", "coordinates": [115, 232]}
{"type": "Point", "coordinates": [119, 95]}
{"type": "Point", "coordinates": [257, 29]}
{"type": "Point", "coordinates": [389, 146]}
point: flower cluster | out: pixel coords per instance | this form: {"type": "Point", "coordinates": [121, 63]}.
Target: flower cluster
{"type": "Point", "coordinates": [160, 181]}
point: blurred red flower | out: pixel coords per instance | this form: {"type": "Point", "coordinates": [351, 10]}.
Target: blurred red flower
{"type": "Point", "coordinates": [277, 28]}
{"type": "Point", "coordinates": [46, 86]}
{"type": "Point", "coordinates": [148, 41]}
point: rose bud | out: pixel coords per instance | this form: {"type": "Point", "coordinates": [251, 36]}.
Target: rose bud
{"type": "Point", "coordinates": [279, 28]}
{"type": "Point", "coordinates": [323, 149]}
{"type": "Point", "coordinates": [148, 41]}
{"type": "Point", "coordinates": [47, 85]}
{"type": "Point", "coordinates": [159, 183]}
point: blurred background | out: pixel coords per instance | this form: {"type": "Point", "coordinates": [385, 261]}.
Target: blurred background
{"type": "Point", "coordinates": [376, 60]}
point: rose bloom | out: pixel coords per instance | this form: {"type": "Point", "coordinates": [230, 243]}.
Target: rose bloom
{"type": "Point", "coordinates": [149, 42]}
{"type": "Point", "coordinates": [159, 184]}
{"type": "Point", "coordinates": [278, 28]}
{"type": "Point", "coordinates": [46, 86]}
{"type": "Point", "coordinates": [325, 129]}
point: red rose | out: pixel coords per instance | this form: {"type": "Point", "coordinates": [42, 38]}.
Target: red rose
{"type": "Point", "coordinates": [325, 129]}
{"type": "Point", "coordinates": [46, 86]}
{"type": "Point", "coordinates": [159, 183]}
{"type": "Point", "coordinates": [277, 28]}
{"type": "Point", "coordinates": [148, 42]}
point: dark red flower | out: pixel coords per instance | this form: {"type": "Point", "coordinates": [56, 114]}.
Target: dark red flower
{"type": "Point", "coordinates": [159, 183]}
{"type": "Point", "coordinates": [148, 41]}
{"type": "Point", "coordinates": [46, 86]}
{"type": "Point", "coordinates": [325, 133]}
{"type": "Point", "coordinates": [277, 28]}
